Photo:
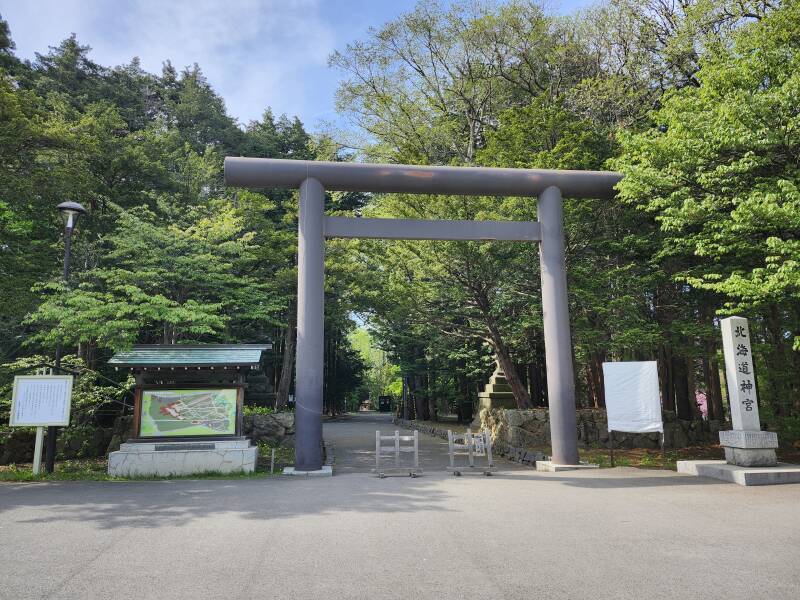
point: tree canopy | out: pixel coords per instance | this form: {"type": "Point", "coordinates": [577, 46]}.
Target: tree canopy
{"type": "Point", "coordinates": [695, 102]}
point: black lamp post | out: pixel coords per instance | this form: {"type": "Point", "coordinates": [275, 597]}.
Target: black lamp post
{"type": "Point", "coordinates": [70, 211]}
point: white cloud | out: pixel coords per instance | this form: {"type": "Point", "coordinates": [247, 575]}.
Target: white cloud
{"type": "Point", "coordinates": [255, 53]}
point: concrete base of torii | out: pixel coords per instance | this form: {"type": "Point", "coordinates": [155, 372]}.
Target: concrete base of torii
{"type": "Point", "coordinates": [550, 467]}
{"type": "Point", "coordinates": [325, 471]}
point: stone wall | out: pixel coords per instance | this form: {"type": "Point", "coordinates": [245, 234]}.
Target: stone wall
{"type": "Point", "coordinates": [531, 429]}
{"type": "Point", "coordinates": [276, 429]}
{"type": "Point", "coordinates": [121, 432]}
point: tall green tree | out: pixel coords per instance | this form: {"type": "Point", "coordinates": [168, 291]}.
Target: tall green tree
{"type": "Point", "coordinates": [720, 177]}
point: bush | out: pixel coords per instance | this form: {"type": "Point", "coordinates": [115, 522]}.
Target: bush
{"type": "Point", "coordinates": [257, 410]}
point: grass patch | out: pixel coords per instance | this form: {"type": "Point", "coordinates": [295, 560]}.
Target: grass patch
{"type": "Point", "coordinates": [654, 459]}
{"type": "Point", "coordinates": [643, 458]}
{"type": "Point", "coordinates": [96, 469]}
{"type": "Point", "coordinates": [257, 410]}
{"type": "Point", "coordinates": [93, 469]}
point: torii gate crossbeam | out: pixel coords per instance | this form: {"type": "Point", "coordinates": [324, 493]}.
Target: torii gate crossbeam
{"type": "Point", "coordinates": [313, 178]}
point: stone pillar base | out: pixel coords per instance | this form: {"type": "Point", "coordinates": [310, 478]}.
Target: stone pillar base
{"type": "Point", "coordinates": [751, 457]}
{"type": "Point", "coordinates": [749, 448]}
{"type": "Point", "coordinates": [782, 473]}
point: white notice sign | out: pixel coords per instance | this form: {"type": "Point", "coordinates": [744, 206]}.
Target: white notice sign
{"type": "Point", "coordinates": [41, 400]}
{"type": "Point", "coordinates": [739, 374]}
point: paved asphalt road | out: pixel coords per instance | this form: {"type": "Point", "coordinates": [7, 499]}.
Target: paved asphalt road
{"type": "Point", "coordinates": [609, 534]}
{"type": "Point", "coordinates": [353, 440]}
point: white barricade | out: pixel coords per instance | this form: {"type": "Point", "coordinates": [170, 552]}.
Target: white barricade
{"type": "Point", "coordinates": [396, 449]}
{"type": "Point", "coordinates": [471, 445]}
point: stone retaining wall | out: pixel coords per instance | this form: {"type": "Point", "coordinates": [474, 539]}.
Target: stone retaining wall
{"type": "Point", "coordinates": [531, 429]}
{"type": "Point", "coordinates": [521, 435]}
{"type": "Point", "coordinates": [276, 429]}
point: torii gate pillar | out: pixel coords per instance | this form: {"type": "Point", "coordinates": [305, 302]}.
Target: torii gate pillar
{"type": "Point", "coordinates": [310, 327]}
{"type": "Point", "coordinates": [557, 338]}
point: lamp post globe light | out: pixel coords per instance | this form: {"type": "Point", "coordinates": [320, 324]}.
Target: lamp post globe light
{"type": "Point", "coordinates": [70, 212]}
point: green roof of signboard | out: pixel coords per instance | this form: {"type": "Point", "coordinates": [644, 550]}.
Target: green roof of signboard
{"type": "Point", "coordinates": [185, 355]}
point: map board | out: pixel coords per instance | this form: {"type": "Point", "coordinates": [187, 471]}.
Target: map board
{"type": "Point", "coordinates": [41, 400]}
{"type": "Point", "coordinates": [178, 413]}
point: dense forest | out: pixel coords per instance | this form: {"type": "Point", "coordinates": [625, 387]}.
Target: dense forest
{"type": "Point", "coordinates": [166, 254]}
{"type": "Point", "coordinates": [697, 102]}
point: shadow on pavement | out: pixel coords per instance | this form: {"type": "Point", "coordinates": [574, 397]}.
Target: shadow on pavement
{"type": "Point", "coordinates": [151, 504]}
{"type": "Point", "coordinates": [609, 479]}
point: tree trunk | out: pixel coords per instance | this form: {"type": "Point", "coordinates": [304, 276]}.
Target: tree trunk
{"type": "Point", "coordinates": [419, 399]}
{"type": "Point", "coordinates": [594, 379]}
{"type": "Point", "coordinates": [691, 383]}
{"type": "Point", "coordinates": [681, 388]}
{"type": "Point", "coordinates": [463, 389]}
{"type": "Point", "coordinates": [601, 384]}
{"type": "Point", "coordinates": [711, 407]}
{"type": "Point", "coordinates": [665, 378]}
{"type": "Point", "coordinates": [287, 367]}
{"type": "Point", "coordinates": [719, 409]}
{"type": "Point", "coordinates": [87, 352]}
{"type": "Point", "coordinates": [432, 410]}
{"type": "Point", "coordinates": [536, 385]}
{"type": "Point", "coordinates": [334, 393]}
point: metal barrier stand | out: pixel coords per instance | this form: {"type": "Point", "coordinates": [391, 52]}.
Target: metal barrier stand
{"type": "Point", "coordinates": [381, 451]}
{"type": "Point", "coordinates": [474, 444]}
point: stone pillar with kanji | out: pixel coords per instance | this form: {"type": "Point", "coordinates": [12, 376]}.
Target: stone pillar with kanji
{"type": "Point", "coordinates": [745, 445]}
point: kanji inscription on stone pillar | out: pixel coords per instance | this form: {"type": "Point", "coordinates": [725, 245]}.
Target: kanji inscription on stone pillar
{"type": "Point", "coordinates": [739, 374]}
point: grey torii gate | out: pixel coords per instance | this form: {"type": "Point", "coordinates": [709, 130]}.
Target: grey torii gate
{"type": "Point", "coordinates": [313, 178]}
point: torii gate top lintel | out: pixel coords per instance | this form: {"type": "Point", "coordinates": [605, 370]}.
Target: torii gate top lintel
{"type": "Point", "coordinates": [313, 178]}
{"type": "Point", "coordinates": [415, 179]}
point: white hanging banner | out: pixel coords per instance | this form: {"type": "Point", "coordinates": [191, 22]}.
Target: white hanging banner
{"type": "Point", "coordinates": [633, 403]}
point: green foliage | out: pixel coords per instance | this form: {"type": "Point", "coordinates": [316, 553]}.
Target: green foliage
{"type": "Point", "coordinates": [545, 135]}
{"type": "Point", "coordinates": [257, 410]}
{"type": "Point", "coordinates": [165, 254]}
{"type": "Point", "coordinates": [382, 377]}
{"type": "Point", "coordinates": [696, 102]}
{"type": "Point", "coordinates": [185, 280]}
{"type": "Point", "coordinates": [506, 85]}
{"type": "Point", "coordinates": [720, 177]}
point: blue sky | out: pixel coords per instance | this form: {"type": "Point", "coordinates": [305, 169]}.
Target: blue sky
{"type": "Point", "coordinates": [255, 53]}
